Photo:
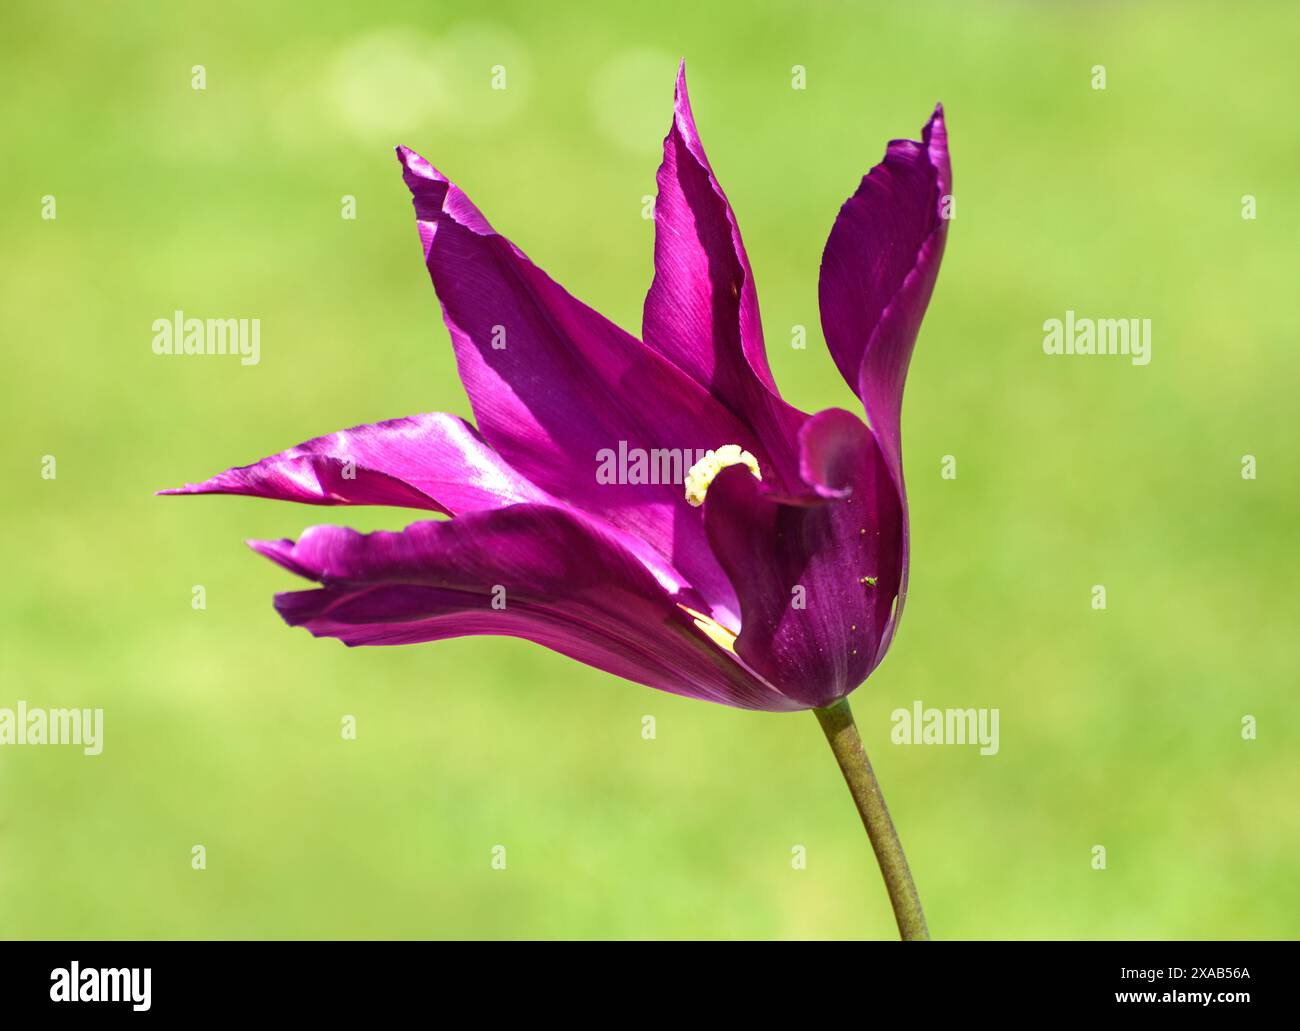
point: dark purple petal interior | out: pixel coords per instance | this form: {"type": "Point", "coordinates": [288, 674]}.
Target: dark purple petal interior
{"type": "Point", "coordinates": [817, 582]}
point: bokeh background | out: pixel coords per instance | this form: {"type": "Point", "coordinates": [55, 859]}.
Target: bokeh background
{"type": "Point", "coordinates": [222, 726]}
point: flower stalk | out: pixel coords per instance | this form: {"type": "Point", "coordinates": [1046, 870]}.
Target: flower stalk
{"type": "Point", "coordinates": [842, 735]}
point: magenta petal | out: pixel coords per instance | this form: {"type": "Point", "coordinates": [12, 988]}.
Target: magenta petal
{"type": "Point", "coordinates": [435, 461]}
{"type": "Point", "coordinates": [817, 583]}
{"type": "Point", "coordinates": [702, 309]}
{"type": "Point", "coordinates": [830, 451]}
{"type": "Point", "coordinates": [554, 384]}
{"type": "Point", "coordinates": [701, 312]}
{"type": "Point", "coordinates": [529, 571]}
{"type": "Point", "coordinates": [878, 271]}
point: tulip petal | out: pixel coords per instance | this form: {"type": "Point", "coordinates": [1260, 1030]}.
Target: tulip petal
{"type": "Point", "coordinates": [701, 312]}
{"type": "Point", "coordinates": [878, 271]}
{"type": "Point", "coordinates": [530, 571]}
{"type": "Point", "coordinates": [830, 448]}
{"type": "Point", "coordinates": [434, 461]}
{"type": "Point", "coordinates": [817, 583]}
{"type": "Point", "coordinates": [555, 386]}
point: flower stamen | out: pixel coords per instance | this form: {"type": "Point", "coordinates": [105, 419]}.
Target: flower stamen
{"type": "Point", "coordinates": [704, 471]}
{"type": "Point", "coordinates": [715, 631]}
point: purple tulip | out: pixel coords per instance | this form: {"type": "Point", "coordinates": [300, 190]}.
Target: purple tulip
{"type": "Point", "coordinates": [745, 553]}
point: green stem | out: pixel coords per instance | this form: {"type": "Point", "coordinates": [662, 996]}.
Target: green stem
{"type": "Point", "coordinates": [842, 733]}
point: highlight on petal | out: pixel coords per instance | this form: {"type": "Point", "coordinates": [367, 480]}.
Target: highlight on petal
{"type": "Point", "coordinates": [701, 312]}
{"type": "Point", "coordinates": [554, 385]}
{"type": "Point", "coordinates": [434, 461]}
{"type": "Point", "coordinates": [817, 582]}
{"type": "Point", "coordinates": [878, 271]}
{"type": "Point", "coordinates": [529, 571]}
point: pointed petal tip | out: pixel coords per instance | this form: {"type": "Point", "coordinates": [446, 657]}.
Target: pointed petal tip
{"type": "Point", "coordinates": [302, 608]}
{"type": "Point", "coordinates": [682, 100]}
{"type": "Point", "coordinates": [934, 137]}
{"type": "Point", "coordinates": [437, 197]}
{"type": "Point", "coordinates": [417, 166]}
{"type": "Point", "coordinates": [281, 552]}
{"type": "Point", "coordinates": [206, 487]}
{"type": "Point", "coordinates": [268, 548]}
{"type": "Point", "coordinates": [683, 117]}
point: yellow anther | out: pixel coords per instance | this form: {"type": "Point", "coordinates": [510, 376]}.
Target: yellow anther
{"type": "Point", "coordinates": [715, 631]}
{"type": "Point", "coordinates": [707, 468]}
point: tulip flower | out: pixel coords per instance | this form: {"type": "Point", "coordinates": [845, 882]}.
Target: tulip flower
{"type": "Point", "coordinates": [751, 554]}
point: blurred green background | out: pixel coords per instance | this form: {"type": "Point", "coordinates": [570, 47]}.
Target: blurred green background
{"type": "Point", "coordinates": [222, 726]}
